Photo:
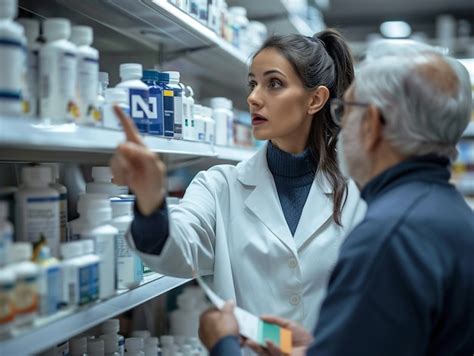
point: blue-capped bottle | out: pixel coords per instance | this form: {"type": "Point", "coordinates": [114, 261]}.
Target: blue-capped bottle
{"type": "Point", "coordinates": [138, 94]}
{"type": "Point", "coordinates": [168, 104]}
{"type": "Point", "coordinates": [156, 115]}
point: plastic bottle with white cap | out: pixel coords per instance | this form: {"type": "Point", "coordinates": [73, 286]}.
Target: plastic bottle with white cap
{"type": "Point", "coordinates": [37, 208]}
{"type": "Point", "coordinates": [138, 94]}
{"type": "Point", "coordinates": [177, 88]}
{"type": "Point", "coordinates": [102, 183]}
{"type": "Point", "coordinates": [62, 190]}
{"type": "Point", "coordinates": [26, 294]}
{"type": "Point", "coordinates": [101, 88]}
{"type": "Point", "coordinates": [151, 346]}
{"type": "Point", "coordinates": [112, 327]}
{"type": "Point", "coordinates": [50, 282]}
{"type": "Point", "coordinates": [209, 124]}
{"type": "Point", "coordinates": [30, 92]}
{"type": "Point", "coordinates": [95, 347]}
{"type": "Point", "coordinates": [199, 124]}
{"type": "Point", "coordinates": [114, 97]}
{"type": "Point", "coordinates": [78, 346]}
{"type": "Point", "coordinates": [129, 265]}
{"type": "Point", "coordinates": [134, 346]}
{"type": "Point", "coordinates": [110, 345]}
{"type": "Point", "coordinates": [223, 118]}
{"type": "Point", "coordinates": [188, 115]}
{"type": "Point", "coordinates": [12, 53]}
{"type": "Point", "coordinates": [58, 73]}
{"type": "Point", "coordinates": [167, 345]}
{"type": "Point", "coordinates": [80, 273]}
{"type": "Point", "coordinates": [87, 75]}
{"type": "Point", "coordinates": [142, 334]}
{"type": "Point", "coordinates": [95, 215]}
{"type": "Point", "coordinates": [6, 234]}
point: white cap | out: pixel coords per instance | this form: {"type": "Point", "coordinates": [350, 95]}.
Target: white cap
{"type": "Point", "coordinates": [37, 175]}
{"type": "Point", "coordinates": [174, 76]}
{"type": "Point", "coordinates": [95, 347]}
{"type": "Point", "coordinates": [102, 174]}
{"type": "Point", "coordinates": [110, 326]}
{"type": "Point", "coordinates": [82, 35]}
{"type": "Point", "coordinates": [104, 77]}
{"type": "Point", "coordinates": [143, 334]}
{"type": "Point", "coordinates": [151, 341]}
{"type": "Point", "coordinates": [167, 340]}
{"type": "Point", "coordinates": [221, 103]}
{"type": "Point", "coordinates": [8, 9]}
{"type": "Point", "coordinates": [110, 343]}
{"type": "Point", "coordinates": [4, 210]}
{"type": "Point", "coordinates": [131, 71]}
{"type": "Point", "coordinates": [134, 344]}
{"type": "Point", "coordinates": [78, 346]}
{"type": "Point", "coordinates": [122, 206]}
{"type": "Point", "coordinates": [22, 251]}
{"type": "Point", "coordinates": [32, 28]}
{"type": "Point", "coordinates": [180, 340]}
{"type": "Point", "coordinates": [238, 11]}
{"type": "Point", "coordinates": [71, 249]}
{"type": "Point", "coordinates": [56, 29]}
{"type": "Point", "coordinates": [116, 95]}
{"type": "Point", "coordinates": [94, 207]}
{"type": "Point", "coordinates": [87, 247]}
{"type": "Point", "coordinates": [54, 170]}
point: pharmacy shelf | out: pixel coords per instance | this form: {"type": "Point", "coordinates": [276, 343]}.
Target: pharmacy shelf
{"type": "Point", "coordinates": [50, 331]}
{"type": "Point", "coordinates": [469, 133]}
{"type": "Point", "coordinates": [27, 139]}
{"type": "Point", "coordinates": [276, 15]}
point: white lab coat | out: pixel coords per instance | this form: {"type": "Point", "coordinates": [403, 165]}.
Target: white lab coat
{"type": "Point", "coordinates": [232, 216]}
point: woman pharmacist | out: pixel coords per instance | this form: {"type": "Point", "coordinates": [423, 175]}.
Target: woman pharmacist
{"type": "Point", "coordinates": [268, 230]}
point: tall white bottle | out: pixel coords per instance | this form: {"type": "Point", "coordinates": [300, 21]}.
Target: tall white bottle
{"type": "Point", "coordinates": [37, 208]}
{"type": "Point", "coordinates": [87, 75]}
{"type": "Point", "coordinates": [12, 59]}
{"type": "Point", "coordinates": [31, 84]}
{"type": "Point", "coordinates": [102, 183]}
{"type": "Point", "coordinates": [129, 265]}
{"type": "Point", "coordinates": [58, 73]}
{"type": "Point", "coordinates": [138, 93]}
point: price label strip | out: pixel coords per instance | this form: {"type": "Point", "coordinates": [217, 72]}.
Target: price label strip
{"type": "Point", "coordinates": [251, 326]}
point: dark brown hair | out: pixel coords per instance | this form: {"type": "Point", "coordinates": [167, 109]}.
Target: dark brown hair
{"type": "Point", "coordinates": [324, 59]}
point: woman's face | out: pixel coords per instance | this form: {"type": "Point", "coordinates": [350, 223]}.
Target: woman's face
{"type": "Point", "coordinates": [278, 102]}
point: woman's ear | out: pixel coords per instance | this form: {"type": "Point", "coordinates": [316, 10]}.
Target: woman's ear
{"type": "Point", "coordinates": [319, 98]}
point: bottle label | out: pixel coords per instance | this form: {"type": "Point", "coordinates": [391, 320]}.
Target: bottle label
{"type": "Point", "coordinates": [129, 265]}
{"type": "Point", "coordinates": [94, 281]}
{"type": "Point", "coordinates": [178, 112]}
{"type": "Point", "coordinates": [155, 118]}
{"type": "Point", "coordinates": [51, 293]}
{"type": "Point", "coordinates": [139, 109]}
{"type": "Point", "coordinates": [7, 308]}
{"type": "Point", "coordinates": [26, 295]}
{"type": "Point", "coordinates": [105, 249]}
{"type": "Point", "coordinates": [63, 216]}
{"type": "Point", "coordinates": [87, 84]}
{"type": "Point", "coordinates": [30, 91]}
{"type": "Point", "coordinates": [41, 220]}
{"type": "Point", "coordinates": [168, 108]}
{"type": "Point", "coordinates": [6, 239]}
{"type": "Point", "coordinates": [83, 285]}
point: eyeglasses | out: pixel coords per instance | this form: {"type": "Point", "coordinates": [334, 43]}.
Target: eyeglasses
{"type": "Point", "coordinates": [338, 109]}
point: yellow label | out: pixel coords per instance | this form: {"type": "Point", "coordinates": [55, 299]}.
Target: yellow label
{"type": "Point", "coordinates": [167, 93]}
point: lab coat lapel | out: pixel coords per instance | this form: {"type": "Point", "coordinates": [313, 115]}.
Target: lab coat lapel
{"type": "Point", "coordinates": [316, 212]}
{"type": "Point", "coordinates": [263, 201]}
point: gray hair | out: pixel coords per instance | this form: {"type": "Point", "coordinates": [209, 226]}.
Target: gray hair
{"type": "Point", "coordinates": [424, 96]}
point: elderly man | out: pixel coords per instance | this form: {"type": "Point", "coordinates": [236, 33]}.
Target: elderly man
{"type": "Point", "coordinates": [404, 283]}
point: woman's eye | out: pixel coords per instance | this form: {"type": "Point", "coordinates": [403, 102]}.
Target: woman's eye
{"type": "Point", "coordinates": [252, 85]}
{"type": "Point", "coordinates": [275, 84]}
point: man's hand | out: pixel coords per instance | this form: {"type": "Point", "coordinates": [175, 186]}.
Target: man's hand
{"type": "Point", "coordinates": [301, 339]}
{"type": "Point", "coordinates": [215, 324]}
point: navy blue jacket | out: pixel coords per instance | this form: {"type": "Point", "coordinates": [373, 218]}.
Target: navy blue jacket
{"type": "Point", "coordinates": [404, 282]}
